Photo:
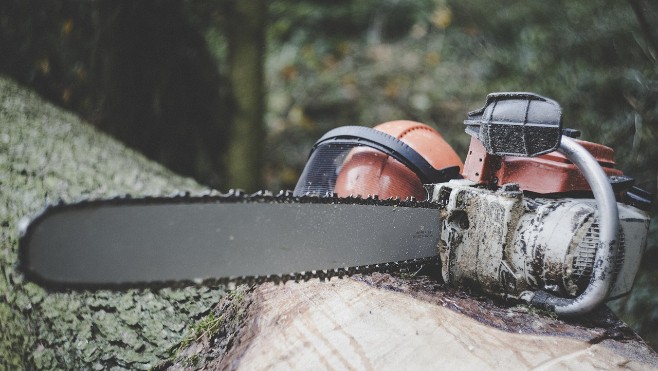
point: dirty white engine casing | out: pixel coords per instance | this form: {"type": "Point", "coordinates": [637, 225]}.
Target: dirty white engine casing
{"type": "Point", "coordinates": [505, 244]}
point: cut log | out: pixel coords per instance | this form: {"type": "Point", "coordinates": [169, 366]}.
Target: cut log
{"type": "Point", "coordinates": [386, 322]}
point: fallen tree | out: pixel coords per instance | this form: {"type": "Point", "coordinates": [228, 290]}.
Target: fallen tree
{"type": "Point", "coordinates": [48, 155]}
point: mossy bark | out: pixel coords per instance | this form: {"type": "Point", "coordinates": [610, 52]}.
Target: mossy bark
{"type": "Point", "coordinates": [47, 155]}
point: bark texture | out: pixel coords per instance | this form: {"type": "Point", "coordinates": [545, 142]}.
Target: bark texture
{"type": "Point", "coordinates": [47, 155]}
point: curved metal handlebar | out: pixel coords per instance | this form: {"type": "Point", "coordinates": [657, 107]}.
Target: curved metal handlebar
{"type": "Point", "coordinates": [603, 268]}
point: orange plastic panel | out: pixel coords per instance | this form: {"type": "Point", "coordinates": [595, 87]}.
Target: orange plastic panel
{"type": "Point", "coordinates": [549, 173]}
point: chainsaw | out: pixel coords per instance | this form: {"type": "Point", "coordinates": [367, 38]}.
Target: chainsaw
{"type": "Point", "coordinates": [532, 215]}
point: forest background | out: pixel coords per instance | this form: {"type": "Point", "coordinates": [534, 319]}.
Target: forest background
{"type": "Point", "coordinates": [234, 93]}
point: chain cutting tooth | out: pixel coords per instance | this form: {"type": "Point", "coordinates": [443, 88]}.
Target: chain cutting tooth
{"type": "Point", "coordinates": [261, 194]}
{"type": "Point", "coordinates": [285, 278]}
{"type": "Point", "coordinates": [249, 280]}
{"type": "Point", "coordinates": [284, 194]}
{"type": "Point", "coordinates": [236, 192]}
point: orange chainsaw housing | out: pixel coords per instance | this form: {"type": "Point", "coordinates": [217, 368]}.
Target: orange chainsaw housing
{"type": "Point", "coordinates": [549, 173]}
{"type": "Point", "coordinates": [367, 171]}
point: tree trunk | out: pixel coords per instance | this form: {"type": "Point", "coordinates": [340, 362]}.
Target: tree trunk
{"type": "Point", "coordinates": [46, 155]}
{"type": "Point", "coordinates": [158, 87]}
{"type": "Point", "coordinates": [245, 31]}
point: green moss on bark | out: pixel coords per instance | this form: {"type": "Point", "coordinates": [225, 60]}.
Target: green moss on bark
{"type": "Point", "coordinates": [208, 341]}
{"type": "Point", "coordinates": [47, 155]}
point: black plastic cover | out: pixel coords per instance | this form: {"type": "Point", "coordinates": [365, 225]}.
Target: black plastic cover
{"type": "Point", "coordinates": [517, 124]}
{"type": "Point", "coordinates": [640, 198]}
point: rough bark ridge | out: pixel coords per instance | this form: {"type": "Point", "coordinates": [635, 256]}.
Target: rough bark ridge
{"type": "Point", "coordinates": [48, 155]}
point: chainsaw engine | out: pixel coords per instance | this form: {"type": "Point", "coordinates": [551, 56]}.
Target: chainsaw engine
{"type": "Point", "coordinates": [507, 244]}
{"type": "Point", "coordinates": [540, 216]}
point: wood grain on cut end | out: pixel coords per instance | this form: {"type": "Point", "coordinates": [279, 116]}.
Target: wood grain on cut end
{"type": "Point", "coordinates": [350, 324]}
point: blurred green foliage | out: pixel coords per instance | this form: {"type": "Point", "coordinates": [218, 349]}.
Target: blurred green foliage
{"type": "Point", "coordinates": [446, 56]}
{"type": "Point", "coordinates": [155, 70]}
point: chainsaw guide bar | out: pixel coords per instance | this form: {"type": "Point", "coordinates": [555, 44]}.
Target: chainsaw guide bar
{"type": "Point", "coordinates": [220, 239]}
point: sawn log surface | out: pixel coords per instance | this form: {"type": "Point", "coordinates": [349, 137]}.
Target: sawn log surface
{"type": "Point", "coordinates": [382, 321]}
